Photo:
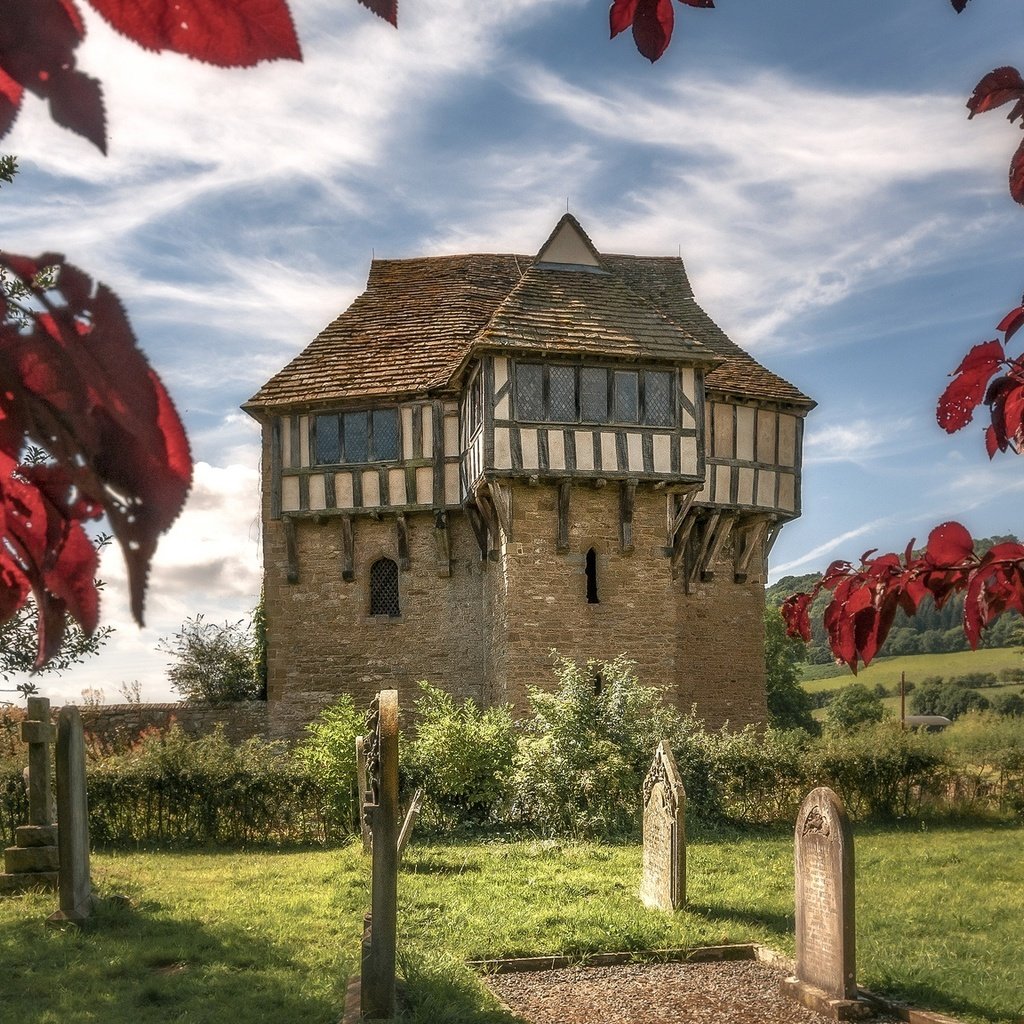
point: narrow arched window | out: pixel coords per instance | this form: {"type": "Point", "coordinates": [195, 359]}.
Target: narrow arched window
{"type": "Point", "coordinates": [592, 577]}
{"type": "Point", "coordinates": [384, 588]}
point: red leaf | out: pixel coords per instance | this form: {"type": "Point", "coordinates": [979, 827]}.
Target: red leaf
{"type": "Point", "coordinates": [1003, 85]}
{"type": "Point", "coordinates": [958, 402]}
{"type": "Point", "coordinates": [652, 27]}
{"type": "Point", "coordinates": [620, 15]}
{"type": "Point", "coordinates": [959, 5]}
{"type": "Point", "coordinates": [229, 33]}
{"type": "Point", "coordinates": [386, 9]}
{"type": "Point", "coordinates": [1017, 175]}
{"type": "Point", "coordinates": [1012, 322]}
{"type": "Point", "coordinates": [949, 544]}
{"type": "Point", "coordinates": [37, 53]}
{"type": "Point", "coordinates": [991, 444]}
{"type": "Point", "coordinates": [10, 101]}
{"type": "Point", "coordinates": [92, 401]}
{"type": "Point", "coordinates": [705, 4]}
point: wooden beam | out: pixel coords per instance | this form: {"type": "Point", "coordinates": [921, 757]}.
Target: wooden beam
{"type": "Point", "coordinates": [501, 499]}
{"type": "Point", "coordinates": [714, 549]}
{"type": "Point", "coordinates": [677, 512]}
{"type": "Point", "coordinates": [348, 550]}
{"type": "Point", "coordinates": [627, 498]}
{"type": "Point", "coordinates": [291, 549]}
{"type": "Point", "coordinates": [562, 541]}
{"type": "Point", "coordinates": [750, 534]}
{"type": "Point", "coordinates": [402, 536]}
{"type": "Point", "coordinates": [704, 538]}
{"type": "Point", "coordinates": [479, 525]}
{"type": "Point", "coordinates": [680, 541]}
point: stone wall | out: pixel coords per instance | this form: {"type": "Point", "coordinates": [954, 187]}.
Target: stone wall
{"type": "Point", "coordinates": [487, 630]}
{"type": "Point", "coordinates": [242, 720]}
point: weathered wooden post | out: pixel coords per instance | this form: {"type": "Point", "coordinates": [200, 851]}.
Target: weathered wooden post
{"type": "Point", "coordinates": [32, 861]}
{"type": "Point", "coordinates": [377, 984]}
{"type": "Point", "coordinates": [362, 786]}
{"type": "Point", "coordinates": [75, 885]}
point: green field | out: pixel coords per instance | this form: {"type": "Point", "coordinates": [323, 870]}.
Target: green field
{"type": "Point", "coordinates": [917, 667]}
{"type": "Point", "coordinates": [271, 937]}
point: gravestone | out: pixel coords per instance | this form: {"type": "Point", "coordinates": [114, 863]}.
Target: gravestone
{"type": "Point", "coordinates": [32, 862]}
{"type": "Point", "coordinates": [663, 877]}
{"type": "Point", "coordinates": [75, 885]}
{"type": "Point", "coordinates": [825, 978]}
{"type": "Point", "coordinates": [377, 981]}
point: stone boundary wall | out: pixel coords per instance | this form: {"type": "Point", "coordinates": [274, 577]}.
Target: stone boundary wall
{"type": "Point", "coordinates": [242, 720]}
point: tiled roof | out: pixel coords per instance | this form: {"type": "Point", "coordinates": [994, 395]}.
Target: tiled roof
{"type": "Point", "coordinates": [419, 319]}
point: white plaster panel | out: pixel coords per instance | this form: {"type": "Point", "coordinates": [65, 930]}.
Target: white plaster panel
{"type": "Point", "coordinates": [406, 431]}
{"type": "Point", "coordinates": [745, 494]}
{"type": "Point", "coordinates": [635, 452]}
{"type": "Point", "coordinates": [371, 488]}
{"type": "Point", "coordinates": [286, 442]}
{"type": "Point", "coordinates": [723, 480]}
{"type": "Point", "coordinates": [290, 494]}
{"type": "Point", "coordinates": [502, 448]}
{"type": "Point", "coordinates": [687, 381]}
{"type": "Point", "coordinates": [584, 450]}
{"type": "Point", "coordinates": [766, 488]}
{"type": "Point", "coordinates": [568, 247]}
{"type": "Point", "coordinates": [745, 432]}
{"type": "Point", "coordinates": [343, 490]}
{"type": "Point", "coordinates": [424, 486]}
{"type": "Point", "coordinates": [609, 456]}
{"type": "Point", "coordinates": [396, 486]}
{"type": "Point", "coordinates": [556, 449]}
{"type": "Point", "coordinates": [501, 409]}
{"type": "Point", "coordinates": [688, 456]}
{"type": "Point", "coordinates": [704, 494]}
{"type": "Point", "coordinates": [528, 440]}
{"type": "Point", "coordinates": [765, 436]}
{"type": "Point", "coordinates": [451, 484]}
{"type": "Point", "coordinates": [724, 441]}
{"type": "Point", "coordinates": [451, 435]}
{"type": "Point", "coordinates": [303, 440]}
{"type": "Point", "coordinates": [662, 453]}
{"type": "Point", "coordinates": [787, 440]}
{"type": "Point", "coordinates": [427, 419]}
{"type": "Point", "coordinates": [500, 372]}
{"type": "Point", "coordinates": [317, 493]}
{"type": "Point", "coordinates": [787, 492]}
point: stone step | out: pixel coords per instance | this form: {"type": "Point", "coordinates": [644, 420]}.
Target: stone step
{"type": "Point", "coordinates": [20, 859]}
{"type": "Point", "coordinates": [35, 835]}
{"type": "Point", "coordinates": [12, 884]}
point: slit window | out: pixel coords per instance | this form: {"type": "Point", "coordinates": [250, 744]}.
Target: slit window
{"type": "Point", "coordinates": [384, 588]}
{"type": "Point", "coordinates": [591, 569]}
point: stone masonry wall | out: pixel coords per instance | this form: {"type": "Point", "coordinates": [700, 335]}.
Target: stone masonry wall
{"type": "Point", "coordinates": [241, 720]}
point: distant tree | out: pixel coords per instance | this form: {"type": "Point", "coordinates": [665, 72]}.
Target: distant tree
{"type": "Point", "coordinates": [214, 662]}
{"type": "Point", "coordinates": [853, 706]}
{"type": "Point", "coordinates": [789, 704]}
{"type": "Point", "coordinates": [947, 699]}
{"type": "Point", "coordinates": [1009, 704]}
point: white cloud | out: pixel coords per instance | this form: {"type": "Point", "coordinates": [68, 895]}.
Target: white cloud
{"type": "Point", "coordinates": [861, 440]}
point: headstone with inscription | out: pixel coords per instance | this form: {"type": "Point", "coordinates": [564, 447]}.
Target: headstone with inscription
{"type": "Point", "coordinates": [663, 877]}
{"type": "Point", "coordinates": [825, 978]}
{"type": "Point", "coordinates": [377, 981]}
{"type": "Point", "coordinates": [32, 862]}
{"type": "Point", "coordinates": [75, 884]}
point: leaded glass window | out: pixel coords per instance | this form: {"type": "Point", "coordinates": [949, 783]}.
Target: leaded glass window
{"type": "Point", "coordinates": [328, 439]}
{"type": "Point", "coordinates": [627, 396]}
{"type": "Point", "coordinates": [562, 394]}
{"type": "Point", "coordinates": [357, 436]}
{"type": "Point", "coordinates": [658, 410]}
{"type": "Point", "coordinates": [362, 436]}
{"type": "Point", "coordinates": [593, 394]}
{"type": "Point", "coordinates": [385, 435]}
{"type": "Point", "coordinates": [384, 588]}
{"type": "Point", "coordinates": [529, 391]}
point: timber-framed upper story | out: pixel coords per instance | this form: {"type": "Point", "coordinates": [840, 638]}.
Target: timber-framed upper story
{"type": "Point", "coordinates": [448, 374]}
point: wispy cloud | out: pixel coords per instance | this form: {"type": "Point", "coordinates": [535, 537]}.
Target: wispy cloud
{"type": "Point", "coordinates": [862, 440]}
{"type": "Point", "coordinates": [815, 557]}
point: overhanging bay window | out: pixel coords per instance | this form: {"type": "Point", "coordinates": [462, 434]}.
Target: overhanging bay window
{"type": "Point", "coordinates": [550, 393]}
{"type": "Point", "coordinates": [368, 435]}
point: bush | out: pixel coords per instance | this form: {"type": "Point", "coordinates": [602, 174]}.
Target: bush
{"type": "Point", "coordinates": [583, 756]}
{"type": "Point", "coordinates": [949, 699]}
{"type": "Point", "coordinates": [1012, 675]}
{"type": "Point", "coordinates": [1009, 704]}
{"type": "Point", "coordinates": [460, 756]}
{"type": "Point", "coordinates": [215, 663]}
{"type": "Point", "coordinates": [852, 707]}
{"type": "Point", "coordinates": [972, 680]}
{"type": "Point", "coordinates": [328, 756]}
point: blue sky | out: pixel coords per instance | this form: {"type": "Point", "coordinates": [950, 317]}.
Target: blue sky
{"type": "Point", "coordinates": [838, 214]}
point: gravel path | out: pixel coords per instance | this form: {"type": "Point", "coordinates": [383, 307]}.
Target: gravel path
{"type": "Point", "coordinates": [735, 992]}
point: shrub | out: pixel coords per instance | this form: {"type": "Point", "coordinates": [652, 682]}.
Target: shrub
{"type": "Point", "coordinates": [461, 756]}
{"type": "Point", "coordinates": [852, 707]}
{"type": "Point", "coordinates": [1012, 675]}
{"type": "Point", "coordinates": [215, 663]}
{"type": "Point", "coordinates": [582, 757]}
{"type": "Point", "coordinates": [972, 680]}
{"type": "Point", "coordinates": [328, 755]}
{"type": "Point", "coordinates": [1009, 704]}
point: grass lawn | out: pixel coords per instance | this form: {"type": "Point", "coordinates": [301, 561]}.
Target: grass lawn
{"type": "Point", "coordinates": [917, 667]}
{"type": "Point", "coordinates": [271, 936]}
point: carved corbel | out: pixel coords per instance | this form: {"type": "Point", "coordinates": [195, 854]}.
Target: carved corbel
{"type": "Point", "coordinates": [750, 533]}
{"type": "Point", "coordinates": [442, 543]}
{"type": "Point", "coordinates": [348, 550]}
{"type": "Point", "coordinates": [681, 520]}
{"type": "Point", "coordinates": [402, 536]}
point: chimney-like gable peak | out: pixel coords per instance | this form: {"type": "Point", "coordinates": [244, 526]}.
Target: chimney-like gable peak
{"type": "Point", "coordinates": [568, 247]}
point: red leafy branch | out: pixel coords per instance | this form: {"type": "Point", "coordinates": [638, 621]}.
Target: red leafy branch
{"type": "Point", "coordinates": [74, 383]}
{"type": "Point", "coordinates": [38, 41]}
{"type": "Point", "coordinates": [975, 381]}
{"type": "Point", "coordinates": [1004, 85]}
{"type": "Point", "coordinates": [865, 600]}
{"type": "Point", "coordinates": [652, 22]}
